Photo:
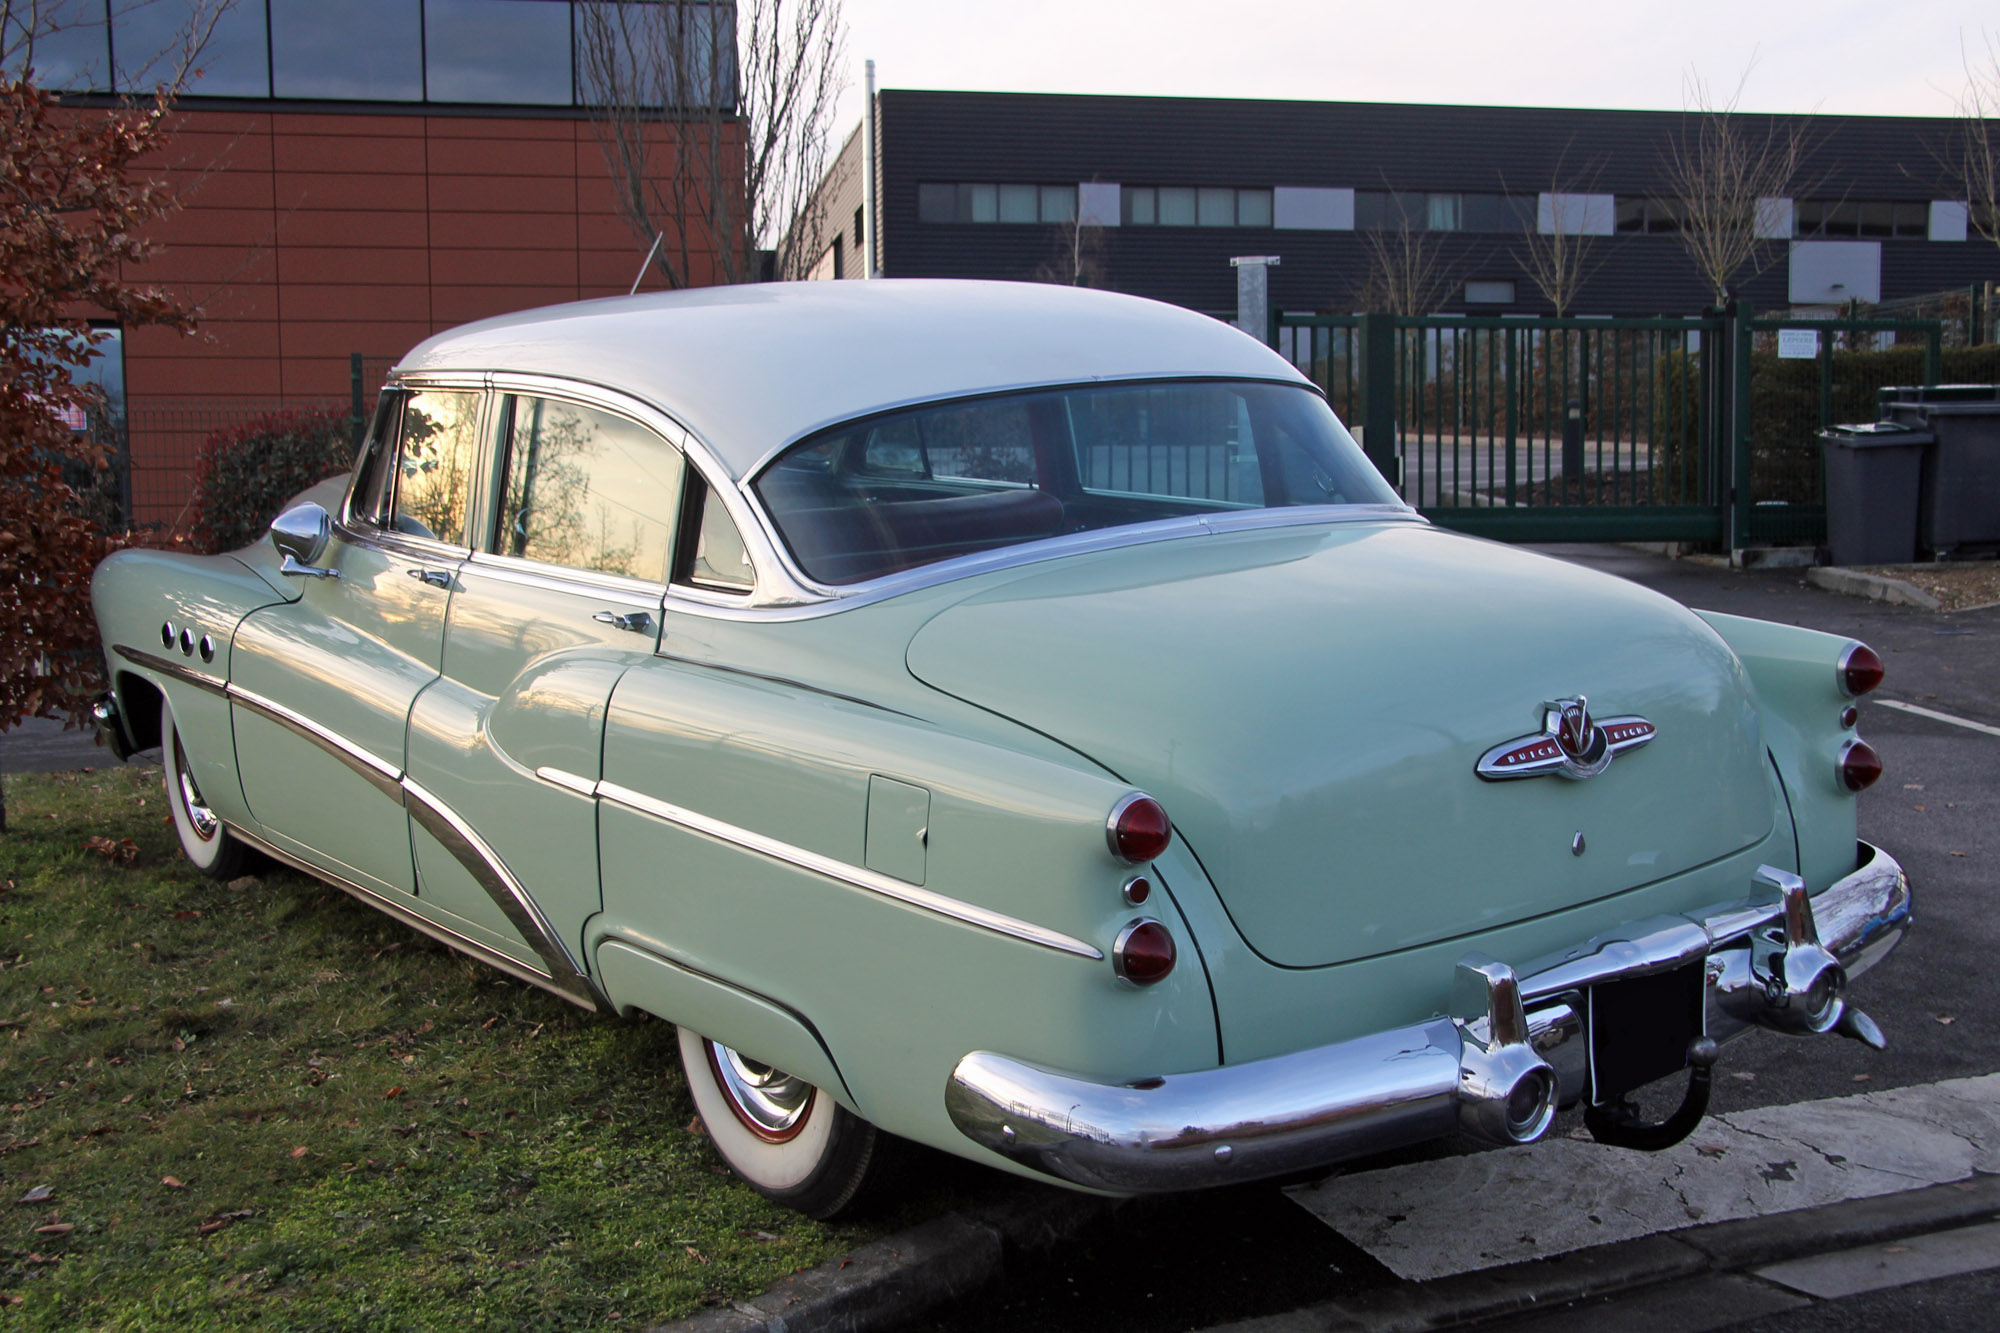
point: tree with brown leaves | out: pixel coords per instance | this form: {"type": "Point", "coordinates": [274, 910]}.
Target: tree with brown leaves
{"type": "Point", "coordinates": [72, 206]}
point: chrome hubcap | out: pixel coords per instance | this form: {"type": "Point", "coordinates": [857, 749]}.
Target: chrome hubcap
{"type": "Point", "coordinates": [771, 1103]}
{"type": "Point", "coordinates": [200, 817]}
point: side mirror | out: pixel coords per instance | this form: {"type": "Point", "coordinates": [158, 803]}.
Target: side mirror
{"type": "Point", "coordinates": [300, 535]}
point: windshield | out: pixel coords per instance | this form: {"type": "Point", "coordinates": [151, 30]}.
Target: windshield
{"type": "Point", "coordinates": [948, 479]}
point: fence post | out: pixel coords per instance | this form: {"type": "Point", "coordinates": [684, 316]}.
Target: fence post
{"type": "Point", "coordinates": [356, 423]}
{"type": "Point", "coordinates": [1378, 393]}
{"type": "Point", "coordinates": [1738, 423]}
{"type": "Point", "coordinates": [1934, 353]}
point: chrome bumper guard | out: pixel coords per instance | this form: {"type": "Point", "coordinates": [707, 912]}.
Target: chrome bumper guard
{"type": "Point", "coordinates": [1515, 1047]}
{"type": "Point", "coordinates": [111, 726]}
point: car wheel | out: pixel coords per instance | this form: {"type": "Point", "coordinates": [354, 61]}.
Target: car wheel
{"type": "Point", "coordinates": [204, 837]}
{"type": "Point", "coordinates": [789, 1140]}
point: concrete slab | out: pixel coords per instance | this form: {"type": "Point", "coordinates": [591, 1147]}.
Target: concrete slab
{"type": "Point", "coordinates": [1457, 1215]}
{"type": "Point", "coordinates": [1876, 1267]}
{"type": "Point", "coordinates": [1856, 583]}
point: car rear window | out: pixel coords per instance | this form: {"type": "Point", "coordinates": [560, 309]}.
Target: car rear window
{"type": "Point", "coordinates": [931, 483]}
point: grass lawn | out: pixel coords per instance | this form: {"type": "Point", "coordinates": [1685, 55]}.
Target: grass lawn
{"type": "Point", "coordinates": [266, 1103]}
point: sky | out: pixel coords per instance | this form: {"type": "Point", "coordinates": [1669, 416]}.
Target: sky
{"type": "Point", "coordinates": [1878, 57]}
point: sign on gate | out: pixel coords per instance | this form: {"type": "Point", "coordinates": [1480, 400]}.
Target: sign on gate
{"type": "Point", "coordinates": [1798, 344]}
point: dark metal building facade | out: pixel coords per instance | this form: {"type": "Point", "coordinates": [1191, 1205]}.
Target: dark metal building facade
{"type": "Point", "coordinates": [1873, 198]}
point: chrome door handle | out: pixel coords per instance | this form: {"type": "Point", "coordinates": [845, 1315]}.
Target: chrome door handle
{"type": "Point", "coordinates": [437, 578]}
{"type": "Point", "coordinates": [636, 621]}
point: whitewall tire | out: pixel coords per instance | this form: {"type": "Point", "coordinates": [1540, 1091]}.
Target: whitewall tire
{"type": "Point", "coordinates": [205, 839]}
{"type": "Point", "coordinates": [787, 1139]}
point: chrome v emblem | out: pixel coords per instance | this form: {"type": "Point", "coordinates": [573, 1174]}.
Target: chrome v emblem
{"type": "Point", "coordinates": [1570, 744]}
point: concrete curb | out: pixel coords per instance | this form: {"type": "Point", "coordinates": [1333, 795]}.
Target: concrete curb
{"type": "Point", "coordinates": [1877, 587]}
{"type": "Point", "coordinates": [1719, 1249]}
{"type": "Point", "coordinates": [897, 1280]}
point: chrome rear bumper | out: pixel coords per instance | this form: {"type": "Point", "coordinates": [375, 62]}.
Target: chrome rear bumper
{"type": "Point", "coordinates": [1514, 1048]}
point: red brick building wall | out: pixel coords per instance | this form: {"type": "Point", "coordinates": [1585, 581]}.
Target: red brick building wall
{"type": "Point", "coordinates": [306, 237]}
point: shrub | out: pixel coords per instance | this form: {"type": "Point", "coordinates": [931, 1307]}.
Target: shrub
{"type": "Point", "coordinates": [245, 473]}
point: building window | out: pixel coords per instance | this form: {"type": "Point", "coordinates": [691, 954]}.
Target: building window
{"type": "Point", "coordinates": [1653, 216]}
{"type": "Point", "coordinates": [1194, 206]}
{"type": "Point", "coordinates": [1489, 292]}
{"type": "Point", "coordinates": [358, 50]}
{"type": "Point", "coordinates": [1867, 219]}
{"type": "Point", "coordinates": [236, 61]}
{"type": "Point", "coordinates": [1420, 210]}
{"type": "Point", "coordinates": [995, 203]}
{"type": "Point", "coordinates": [512, 52]}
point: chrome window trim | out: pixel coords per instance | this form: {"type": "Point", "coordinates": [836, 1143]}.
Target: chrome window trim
{"type": "Point", "coordinates": [1295, 380]}
{"type": "Point", "coordinates": [402, 545]}
{"type": "Point", "coordinates": [344, 522]}
{"type": "Point", "coordinates": [773, 580]}
{"type": "Point", "coordinates": [567, 579]}
{"type": "Point", "coordinates": [840, 871]}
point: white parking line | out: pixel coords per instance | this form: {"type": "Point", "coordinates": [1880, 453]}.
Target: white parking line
{"type": "Point", "coordinates": [1973, 1249]}
{"type": "Point", "coordinates": [1460, 1214]}
{"type": "Point", "coordinates": [1933, 714]}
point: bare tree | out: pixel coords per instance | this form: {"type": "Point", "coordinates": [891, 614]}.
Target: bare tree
{"type": "Point", "coordinates": [1407, 272]}
{"type": "Point", "coordinates": [715, 119]}
{"type": "Point", "coordinates": [1556, 252]}
{"type": "Point", "coordinates": [27, 24]}
{"type": "Point", "coordinates": [1972, 154]}
{"type": "Point", "coordinates": [1077, 257]}
{"type": "Point", "coordinates": [1722, 173]}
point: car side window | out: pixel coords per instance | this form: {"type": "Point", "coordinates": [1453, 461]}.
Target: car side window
{"type": "Point", "coordinates": [720, 560]}
{"type": "Point", "coordinates": [435, 450]}
{"type": "Point", "coordinates": [586, 489]}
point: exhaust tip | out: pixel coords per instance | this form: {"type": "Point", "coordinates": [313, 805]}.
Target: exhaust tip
{"type": "Point", "coordinates": [1506, 1094]}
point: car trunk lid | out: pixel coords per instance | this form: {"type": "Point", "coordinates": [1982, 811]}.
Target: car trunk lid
{"type": "Point", "coordinates": [1310, 704]}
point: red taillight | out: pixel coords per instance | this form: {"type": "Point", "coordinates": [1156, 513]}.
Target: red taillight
{"type": "Point", "coordinates": [1138, 829]}
{"type": "Point", "coordinates": [1137, 890]}
{"type": "Point", "coordinates": [1860, 670]}
{"type": "Point", "coordinates": [1860, 766]}
{"type": "Point", "coordinates": [1144, 953]}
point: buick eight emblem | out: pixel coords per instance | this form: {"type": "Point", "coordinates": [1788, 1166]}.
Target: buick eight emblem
{"type": "Point", "coordinates": [1571, 744]}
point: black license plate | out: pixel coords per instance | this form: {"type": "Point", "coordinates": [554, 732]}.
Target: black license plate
{"type": "Point", "coordinates": [1640, 1028]}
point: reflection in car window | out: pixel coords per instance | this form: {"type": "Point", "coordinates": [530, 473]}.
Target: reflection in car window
{"type": "Point", "coordinates": [719, 558]}
{"type": "Point", "coordinates": [952, 479]}
{"type": "Point", "coordinates": [434, 456]}
{"type": "Point", "coordinates": [588, 490]}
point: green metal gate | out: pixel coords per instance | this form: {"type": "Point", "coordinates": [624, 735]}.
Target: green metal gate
{"type": "Point", "coordinates": [1550, 430]}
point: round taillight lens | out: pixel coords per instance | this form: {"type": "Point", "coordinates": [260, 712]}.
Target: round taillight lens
{"type": "Point", "coordinates": [1144, 953]}
{"type": "Point", "coordinates": [1138, 829]}
{"type": "Point", "coordinates": [1860, 670]}
{"type": "Point", "coordinates": [1860, 766]}
{"type": "Point", "coordinates": [1137, 890]}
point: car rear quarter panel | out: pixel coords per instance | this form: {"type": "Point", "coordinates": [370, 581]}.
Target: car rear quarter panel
{"type": "Point", "coordinates": [898, 992]}
{"type": "Point", "coordinates": [1793, 671]}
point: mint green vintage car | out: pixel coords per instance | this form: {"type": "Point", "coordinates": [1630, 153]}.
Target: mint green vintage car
{"type": "Point", "coordinates": [1017, 718]}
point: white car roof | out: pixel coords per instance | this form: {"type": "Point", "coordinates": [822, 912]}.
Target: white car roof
{"type": "Point", "coordinates": [750, 369]}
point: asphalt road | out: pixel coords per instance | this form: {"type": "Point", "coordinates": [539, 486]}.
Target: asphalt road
{"type": "Point", "coordinates": [1188, 1262]}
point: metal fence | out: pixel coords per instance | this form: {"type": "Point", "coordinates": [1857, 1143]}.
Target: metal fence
{"type": "Point", "coordinates": [155, 447]}
{"type": "Point", "coordinates": [1699, 429]}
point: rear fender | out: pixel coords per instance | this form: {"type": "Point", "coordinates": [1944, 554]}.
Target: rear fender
{"type": "Point", "coordinates": [1795, 674]}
